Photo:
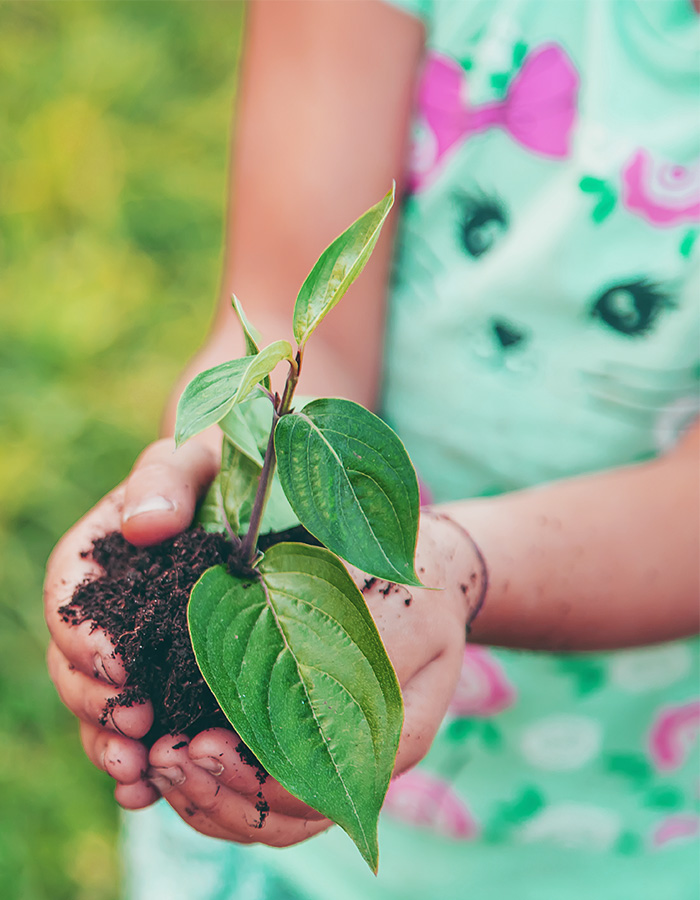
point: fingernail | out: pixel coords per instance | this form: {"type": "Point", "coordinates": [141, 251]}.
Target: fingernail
{"type": "Point", "coordinates": [100, 669]}
{"type": "Point", "coordinates": [210, 764]}
{"type": "Point", "coordinates": [156, 503]}
{"type": "Point", "coordinates": [164, 778]}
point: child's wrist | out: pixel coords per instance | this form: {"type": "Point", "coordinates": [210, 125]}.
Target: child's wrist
{"type": "Point", "coordinates": [466, 569]}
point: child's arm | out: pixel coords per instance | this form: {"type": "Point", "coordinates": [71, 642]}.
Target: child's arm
{"type": "Point", "coordinates": [602, 561]}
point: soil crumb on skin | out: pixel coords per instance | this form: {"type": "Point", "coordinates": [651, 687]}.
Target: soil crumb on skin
{"type": "Point", "coordinates": [263, 808]}
{"type": "Point", "coordinates": [250, 759]}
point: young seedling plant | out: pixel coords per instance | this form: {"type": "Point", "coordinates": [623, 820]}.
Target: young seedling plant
{"type": "Point", "coordinates": [286, 642]}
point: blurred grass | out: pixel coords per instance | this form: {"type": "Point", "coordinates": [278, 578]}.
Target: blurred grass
{"type": "Point", "coordinates": [113, 142]}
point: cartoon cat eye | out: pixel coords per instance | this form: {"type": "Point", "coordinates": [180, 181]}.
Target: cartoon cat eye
{"type": "Point", "coordinates": [631, 307]}
{"type": "Point", "coordinates": [483, 219]}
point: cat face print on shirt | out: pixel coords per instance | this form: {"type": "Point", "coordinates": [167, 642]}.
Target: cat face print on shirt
{"type": "Point", "coordinates": [538, 271]}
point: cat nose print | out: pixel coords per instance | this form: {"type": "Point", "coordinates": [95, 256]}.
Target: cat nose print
{"type": "Point", "coordinates": [507, 335]}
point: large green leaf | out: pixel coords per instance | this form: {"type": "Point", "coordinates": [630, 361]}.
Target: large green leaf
{"type": "Point", "coordinates": [337, 268]}
{"type": "Point", "coordinates": [208, 397]}
{"type": "Point", "coordinates": [350, 481]}
{"type": "Point", "coordinates": [299, 669]}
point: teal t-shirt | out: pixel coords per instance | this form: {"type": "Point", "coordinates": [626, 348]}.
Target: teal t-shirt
{"type": "Point", "coordinates": [543, 323]}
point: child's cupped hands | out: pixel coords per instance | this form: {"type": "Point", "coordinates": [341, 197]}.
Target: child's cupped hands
{"type": "Point", "coordinates": [209, 779]}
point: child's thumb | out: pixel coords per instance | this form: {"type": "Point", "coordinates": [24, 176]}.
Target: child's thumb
{"type": "Point", "coordinates": [162, 490]}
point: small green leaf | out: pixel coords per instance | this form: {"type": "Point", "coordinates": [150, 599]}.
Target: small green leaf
{"type": "Point", "coordinates": [238, 481]}
{"type": "Point", "coordinates": [210, 513]}
{"type": "Point", "coordinates": [296, 663]}
{"type": "Point", "coordinates": [247, 428]}
{"type": "Point", "coordinates": [208, 397]}
{"type": "Point", "coordinates": [261, 366]}
{"type": "Point", "coordinates": [251, 334]}
{"type": "Point", "coordinates": [337, 268]}
{"type": "Point", "coordinates": [239, 426]}
{"type": "Point", "coordinates": [350, 481]}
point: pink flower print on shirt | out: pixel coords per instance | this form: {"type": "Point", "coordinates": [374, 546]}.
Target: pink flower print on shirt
{"type": "Point", "coordinates": [674, 731]}
{"type": "Point", "coordinates": [676, 828]}
{"type": "Point", "coordinates": [662, 193]}
{"type": "Point", "coordinates": [538, 111]}
{"type": "Point", "coordinates": [482, 689]}
{"type": "Point", "coordinates": [424, 800]}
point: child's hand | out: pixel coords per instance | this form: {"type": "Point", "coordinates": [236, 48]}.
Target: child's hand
{"type": "Point", "coordinates": [156, 502]}
{"type": "Point", "coordinates": [216, 792]}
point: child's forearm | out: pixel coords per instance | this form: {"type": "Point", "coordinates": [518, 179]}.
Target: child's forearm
{"type": "Point", "coordinates": [301, 171]}
{"type": "Point", "coordinates": [602, 561]}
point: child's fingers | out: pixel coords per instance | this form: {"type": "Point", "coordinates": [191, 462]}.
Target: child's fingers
{"type": "Point", "coordinates": [234, 817]}
{"type": "Point", "coordinates": [200, 820]}
{"type": "Point", "coordinates": [216, 751]}
{"type": "Point", "coordinates": [87, 697]}
{"type": "Point", "coordinates": [126, 760]}
{"type": "Point", "coordinates": [163, 488]}
{"type": "Point", "coordinates": [135, 796]}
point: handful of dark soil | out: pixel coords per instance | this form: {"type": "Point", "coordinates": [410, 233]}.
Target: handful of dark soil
{"type": "Point", "coordinates": [141, 602]}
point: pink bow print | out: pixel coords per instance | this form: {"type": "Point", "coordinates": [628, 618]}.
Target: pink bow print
{"type": "Point", "coordinates": [538, 111]}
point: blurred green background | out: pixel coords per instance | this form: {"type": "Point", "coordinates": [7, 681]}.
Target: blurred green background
{"type": "Point", "coordinates": [114, 120]}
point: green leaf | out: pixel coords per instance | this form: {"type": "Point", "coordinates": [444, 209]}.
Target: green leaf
{"type": "Point", "coordinates": [238, 481]}
{"type": "Point", "coordinates": [241, 426]}
{"type": "Point", "coordinates": [296, 663]}
{"type": "Point", "coordinates": [350, 481]}
{"type": "Point", "coordinates": [278, 515]}
{"type": "Point", "coordinates": [251, 334]}
{"type": "Point", "coordinates": [210, 512]}
{"type": "Point", "coordinates": [261, 366]}
{"type": "Point", "coordinates": [337, 267]}
{"type": "Point", "coordinates": [208, 397]}
{"type": "Point", "coordinates": [247, 429]}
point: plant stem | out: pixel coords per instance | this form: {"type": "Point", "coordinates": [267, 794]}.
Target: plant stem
{"type": "Point", "coordinates": [250, 541]}
{"type": "Point", "coordinates": [290, 386]}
